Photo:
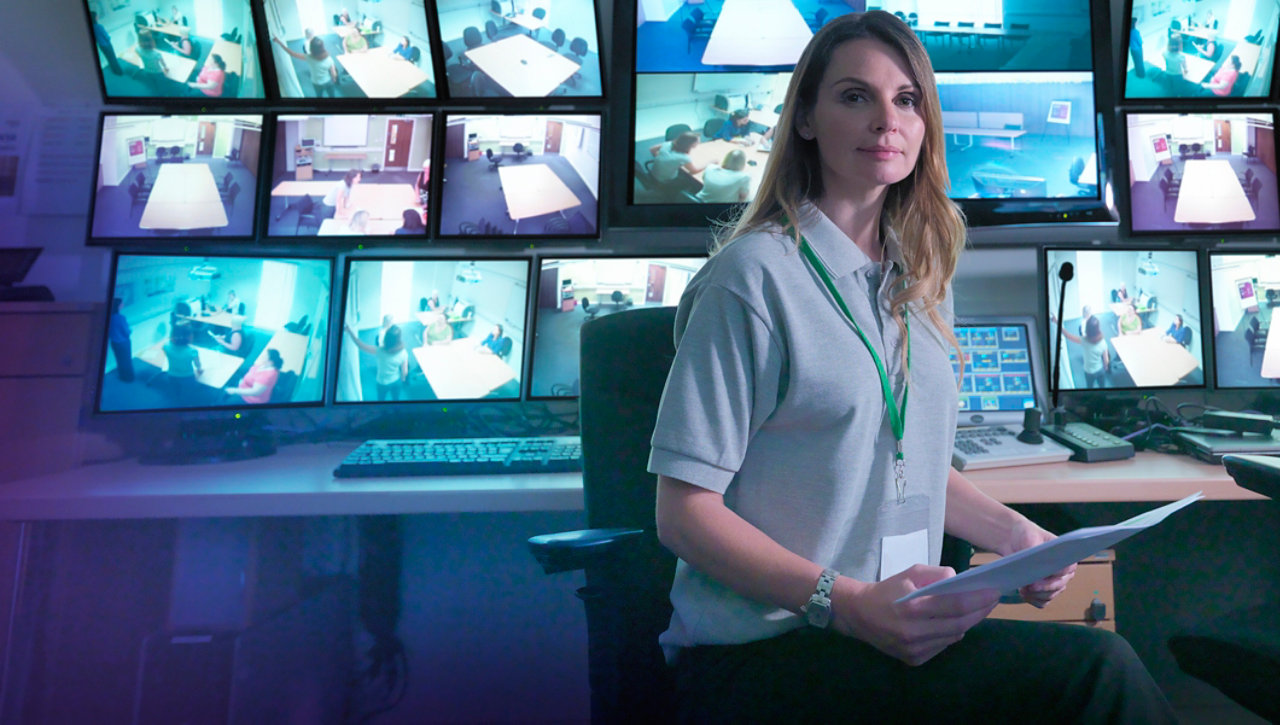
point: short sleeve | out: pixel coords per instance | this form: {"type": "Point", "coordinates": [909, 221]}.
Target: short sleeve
{"type": "Point", "coordinates": [722, 387]}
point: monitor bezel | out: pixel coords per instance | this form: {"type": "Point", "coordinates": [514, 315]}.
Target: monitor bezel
{"type": "Point", "coordinates": [1039, 374]}
{"type": "Point", "coordinates": [1049, 305]}
{"type": "Point", "coordinates": [390, 255]}
{"type": "Point", "coordinates": [1122, 147]}
{"type": "Point", "coordinates": [178, 242]}
{"type": "Point", "coordinates": [178, 102]}
{"type": "Point", "coordinates": [351, 241]}
{"type": "Point", "coordinates": [216, 411]}
{"type": "Point", "coordinates": [1208, 270]}
{"type": "Point", "coordinates": [437, 220]}
{"type": "Point", "coordinates": [1212, 101]}
{"type": "Point", "coordinates": [536, 291]}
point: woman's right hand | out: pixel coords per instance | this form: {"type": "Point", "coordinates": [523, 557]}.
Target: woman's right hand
{"type": "Point", "coordinates": [913, 631]}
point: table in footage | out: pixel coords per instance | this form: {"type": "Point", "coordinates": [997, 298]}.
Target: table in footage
{"type": "Point", "coordinates": [218, 366]}
{"type": "Point", "coordinates": [757, 32]}
{"type": "Point", "coordinates": [184, 196]}
{"type": "Point", "coordinates": [292, 347]}
{"type": "Point", "coordinates": [1152, 361]}
{"type": "Point", "coordinates": [456, 370]}
{"type": "Point", "coordinates": [1211, 194]}
{"type": "Point", "coordinates": [231, 54]}
{"type": "Point", "coordinates": [177, 68]}
{"type": "Point", "coordinates": [533, 190]}
{"type": "Point", "coordinates": [384, 202]}
{"type": "Point", "coordinates": [715, 150]}
{"type": "Point", "coordinates": [381, 74]}
{"type": "Point", "coordinates": [216, 319]}
{"type": "Point", "coordinates": [523, 66]}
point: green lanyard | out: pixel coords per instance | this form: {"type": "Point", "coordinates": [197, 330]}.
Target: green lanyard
{"type": "Point", "coordinates": [897, 414]}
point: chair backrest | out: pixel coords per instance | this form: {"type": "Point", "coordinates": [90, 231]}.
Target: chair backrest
{"type": "Point", "coordinates": [415, 55]}
{"type": "Point", "coordinates": [820, 17]}
{"type": "Point", "coordinates": [491, 29]}
{"type": "Point", "coordinates": [518, 147]}
{"type": "Point", "coordinates": [558, 37]}
{"type": "Point", "coordinates": [617, 296]}
{"type": "Point", "coordinates": [676, 130]}
{"type": "Point", "coordinates": [712, 127]}
{"type": "Point", "coordinates": [697, 15]}
{"type": "Point", "coordinates": [1077, 168]}
{"type": "Point", "coordinates": [627, 600]}
{"type": "Point", "coordinates": [161, 152]}
{"type": "Point", "coordinates": [495, 7]}
{"type": "Point", "coordinates": [578, 46]}
{"type": "Point", "coordinates": [471, 37]}
{"type": "Point", "coordinates": [285, 383]}
{"type": "Point", "coordinates": [539, 13]}
{"type": "Point", "coordinates": [504, 348]}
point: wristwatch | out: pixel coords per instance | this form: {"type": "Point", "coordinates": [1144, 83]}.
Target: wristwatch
{"type": "Point", "coordinates": [818, 611]}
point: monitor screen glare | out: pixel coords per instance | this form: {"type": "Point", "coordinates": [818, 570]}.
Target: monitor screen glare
{"type": "Point", "coordinates": [427, 330]}
{"type": "Point", "coordinates": [1131, 319]}
{"type": "Point", "coordinates": [193, 332]}
{"type": "Point", "coordinates": [322, 181]}
{"type": "Point", "coordinates": [547, 169]}
{"type": "Point", "coordinates": [1202, 172]}
{"type": "Point", "coordinates": [998, 374]}
{"type": "Point", "coordinates": [573, 290]}
{"type": "Point", "coordinates": [195, 49]}
{"type": "Point", "coordinates": [328, 51]}
{"type": "Point", "coordinates": [1245, 289]}
{"type": "Point", "coordinates": [177, 176]}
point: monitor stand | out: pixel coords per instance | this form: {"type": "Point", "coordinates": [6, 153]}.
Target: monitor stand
{"type": "Point", "coordinates": [237, 438]}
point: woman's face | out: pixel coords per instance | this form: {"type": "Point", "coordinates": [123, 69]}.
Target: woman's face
{"type": "Point", "coordinates": [866, 119]}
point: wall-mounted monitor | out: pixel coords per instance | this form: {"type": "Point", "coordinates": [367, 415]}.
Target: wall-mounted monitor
{"type": "Point", "coordinates": [1131, 318]}
{"type": "Point", "coordinates": [521, 175]}
{"type": "Point", "coordinates": [350, 175]}
{"type": "Point", "coordinates": [172, 178]}
{"type": "Point", "coordinates": [432, 329]}
{"type": "Point", "coordinates": [365, 49]}
{"type": "Point", "coordinates": [194, 332]}
{"type": "Point", "coordinates": [572, 290]}
{"type": "Point", "coordinates": [202, 51]}
{"type": "Point", "coordinates": [1203, 50]}
{"type": "Point", "coordinates": [1198, 173]}
{"type": "Point", "coordinates": [520, 48]}
{"type": "Point", "coordinates": [1244, 291]}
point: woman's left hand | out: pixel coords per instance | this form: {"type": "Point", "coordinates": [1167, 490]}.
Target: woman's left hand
{"type": "Point", "coordinates": [1025, 535]}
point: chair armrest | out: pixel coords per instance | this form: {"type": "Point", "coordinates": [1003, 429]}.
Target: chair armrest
{"type": "Point", "coordinates": [1256, 473]}
{"type": "Point", "coordinates": [572, 550]}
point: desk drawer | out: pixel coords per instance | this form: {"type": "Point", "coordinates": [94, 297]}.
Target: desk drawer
{"type": "Point", "coordinates": [45, 343]}
{"type": "Point", "coordinates": [1091, 582]}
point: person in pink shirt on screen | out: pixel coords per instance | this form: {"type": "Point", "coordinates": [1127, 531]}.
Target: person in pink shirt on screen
{"type": "Point", "coordinates": [211, 77]}
{"type": "Point", "coordinates": [257, 384]}
{"type": "Point", "coordinates": [1225, 79]}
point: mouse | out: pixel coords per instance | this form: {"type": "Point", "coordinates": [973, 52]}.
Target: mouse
{"type": "Point", "coordinates": [752, 163]}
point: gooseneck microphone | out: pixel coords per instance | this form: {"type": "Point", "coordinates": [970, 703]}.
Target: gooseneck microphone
{"type": "Point", "coordinates": [1065, 273]}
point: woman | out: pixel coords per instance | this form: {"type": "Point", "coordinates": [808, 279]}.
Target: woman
{"type": "Point", "coordinates": [211, 78]}
{"type": "Point", "coordinates": [358, 225]}
{"type": "Point", "coordinates": [439, 330]}
{"type": "Point", "coordinates": [727, 183]}
{"type": "Point", "coordinates": [233, 341]}
{"type": "Point", "coordinates": [779, 468]}
{"type": "Point", "coordinates": [183, 363]}
{"type": "Point", "coordinates": [257, 384]}
{"type": "Point", "coordinates": [1096, 354]}
{"type": "Point", "coordinates": [354, 42]}
{"type": "Point", "coordinates": [338, 201]}
{"type": "Point", "coordinates": [392, 361]}
{"type": "Point", "coordinates": [154, 67]}
{"type": "Point", "coordinates": [1224, 81]}
{"type": "Point", "coordinates": [403, 50]}
{"type": "Point", "coordinates": [324, 74]}
{"type": "Point", "coordinates": [672, 156]}
{"type": "Point", "coordinates": [492, 343]}
{"type": "Point", "coordinates": [120, 337]}
{"type": "Point", "coordinates": [1178, 333]}
{"type": "Point", "coordinates": [1175, 63]}
{"type": "Point", "coordinates": [412, 223]}
{"type": "Point", "coordinates": [1129, 322]}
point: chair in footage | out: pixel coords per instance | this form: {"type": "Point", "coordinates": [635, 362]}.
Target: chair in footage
{"type": "Point", "coordinates": [628, 572]}
{"type": "Point", "coordinates": [1256, 342]}
{"type": "Point", "coordinates": [818, 18]}
{"type": "Point", "coordinates": [1077, 168]}
{"type": "Point", "coordinates": [1252, 190]}
{"type": "Point", "coordinates": [141, 180]}
{"type": "Point", "coordinates": [521, 153]}
{"type": "Point", "coordinates": [619, 299]}
{"type": "Point", "coordinates": [540, 14]}
{"type": "Point", "coordinates": [1169, 192]}
{"type": "Point", "coordinates": [578, 54]}
{"type": "Point", "coordinates": [1239, 652]}
{"type": "Point", "coordinates": [491, 30]}
{"type": "Point", "coordinates": [472, 38]}
{"type": "Point", "coordinates": [1247, 180]}
{"type": "Point", "coordinates": [557, 41]}
{"type": "Point", "coordinates": [482, 86]}
{"type": "Point", "coordinates": [494, 160]}
{"type": "Point", "coordinates": [588, 309]}
{"type": "Point", "coordinates": [693, 33]}
{"type": "Point", "coordinates": [712, 127]}
{"type": "Point", "coordinates": [676, 130]}
{"type": "Point", "coordinates": [162, 154]}
{"type": "Point", "coordinates": [504, 348]}
{"type": "Point", "coordinates": [226, 182]}
{"type": "Point", "coordinates": [175, 154]}
{"type": "Point", "coordinates": [307, 215]}
{"type": "Point", "coordinates": [415, 55]}
{"type": "Point", "coordinates": [1184, 151]}
{"type": "Point", "coordinates": [230, 198]}
{"type": "Point", "coordinates": [138, 195]}
{"type": "Point", "coordinates": [913, 19]}
{"type": "Point", "coordinates": [556, 225]}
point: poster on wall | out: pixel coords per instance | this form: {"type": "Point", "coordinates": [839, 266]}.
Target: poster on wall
{"type": "Point", "coordinates": [1247, 298]}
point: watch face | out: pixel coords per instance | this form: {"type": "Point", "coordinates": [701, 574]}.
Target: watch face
{"type": "Point", "coordinates": [818, 613]}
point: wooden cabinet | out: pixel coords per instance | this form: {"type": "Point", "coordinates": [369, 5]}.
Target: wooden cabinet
{"type": "Point", "coordinates": [303, 159]}
{"type": "Point", "coordinates": [1089, 600]}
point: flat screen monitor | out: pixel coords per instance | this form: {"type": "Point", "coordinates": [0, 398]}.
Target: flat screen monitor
{"type": "Point", "coordinates": [1003, 371]}
{"type": "Point", "coordinates": [433, 329]}
{"type": "Point", "coordinates": [350, 175]}
{"type": "Point", "coordinates": [171, 178]}
{"type": "Point", "coordinates": [352, 51]}
{"type": "Point", "coordinates": [1244, 289]}
{"type": "Point", "coordinates": [1202, 173]}
{"type": "Point", "coordinates": [521, 175]}
{"type": "Point", "coordinates": [1131, 318]}
{"type": "Point", "coordinates": [1208, 51]}
{"type": "Point", "coordinates": [572, 290]}
{"type": "Point", "coordinates": [520, 48]}
{"type": "Point", "coordinates": [194, 332]}
{"type": "Point", "coordinates": [203, 51]}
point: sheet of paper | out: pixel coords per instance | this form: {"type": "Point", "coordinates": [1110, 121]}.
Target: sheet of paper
{"type": "Point", "coordinates": [1026, 566]}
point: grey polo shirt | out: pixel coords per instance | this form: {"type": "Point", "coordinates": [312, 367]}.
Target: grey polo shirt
{"type": "Point", "coordinates": [774, 402]}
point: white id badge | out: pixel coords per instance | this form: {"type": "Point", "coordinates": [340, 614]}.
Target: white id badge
{"type": "Point", "coordinates": [907, 540]}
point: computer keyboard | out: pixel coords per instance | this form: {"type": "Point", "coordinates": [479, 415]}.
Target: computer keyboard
{"type": "Point", "coordinates": [995, 446]}
{"type": "Point", "coordinates": [462, 457]}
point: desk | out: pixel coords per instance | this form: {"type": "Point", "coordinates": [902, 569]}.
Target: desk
{"type": "Point", "coordinates": [292, 347]}
{"type": "Point", "coordinates": [385, 202]}
{"type": "Point", "coordinates": [185, 196]}
{"type": "Point", "coordinates": [1151, 361]}
{"type": "Point", "coordinates": [178, 67]}
{"type": "Point", "coordinates": [523, 66]}
{"type": "Point", "coordinates": [357, 155]}
{"type": "Point", "coordinates": [218, 366]}
{"type": "Point", "coordinates": [715, 150]}
{"type": "Point", "coordinates": [1197, 68]}
{"type": "Point", "coordinates": [533, 189]}
{"type": "Point", "coordinates": [757, 32]}
{"type": "Point", "coordinates": [457, 371]}
{"type": "Point", "coordinates": [231, 53]}
{"type": "Point", "coordinates": [1012, 134]}
{"type": "Point", "coordinates": [375, 228]}
{"type": "Point", "coordinates": [216, 319]}
{"type": "Point", "coordinates": [1210, 194]}
{"type": "Point", "coordinates": [526, 21]}
{"type": "Point", "coordinates": [1271, 357]}
{"type": "Point", "coordinates": [1089, 176]}
{"type": "Point", "coordinates": [382, 74]}
{"type": "Point", "coordinates": [1248, 54]}
{"type": "Point", "coordinates": [177, 30]}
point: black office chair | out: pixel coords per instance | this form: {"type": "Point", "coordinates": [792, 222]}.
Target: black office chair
{"type": "Point", "coordinates": [677, 129]}
{"type": "Point", "coordinates": [1239, 652]}
{"type": "Point", "coordinates": [712, 127]}
{"type": "Point", "coordinates": [618, 298]}
{"type": "Point", "coordinates": [1077, 168]}
{"type": "Point", "coordinates": [694, 33]}
{"type": "Point", "coordinates": [472, 38]}
{"type": "Point", "coordinates": [415, 55]}
{"type": "Point", "coordinates": [589, 310]}
{"type": "Point", "coordinates": [1255, 342]}
{"type": "Point", "coordinates": [491, 30]}
{"type": "Point", "coordinates": [818, 19]}
{"type": "Point", "coordinates": [307, 215]}
{"type": "Point", "coordinates": [226, 182]}
{"type": "Point", "coordinates": [162, 155]}
{"type": "Point", "coordinates": [556, 225]}
{"type": "Point", "coordinates": [494, 161]}
{"type": "Point", "coordinates": [504, 348]}
{"type": "Point", "coordinates": [520, 151]}
{"type": "Point", "coordinates": [558, 39]}
{"type": "Point", "coordinates": [230, 198]}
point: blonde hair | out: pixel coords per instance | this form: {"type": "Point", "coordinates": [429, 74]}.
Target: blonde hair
{"type": "Point", "coordinates": [929, 226]}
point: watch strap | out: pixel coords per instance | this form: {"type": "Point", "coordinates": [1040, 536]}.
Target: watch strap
{"type": "Point", "coordinates": [818, 611]}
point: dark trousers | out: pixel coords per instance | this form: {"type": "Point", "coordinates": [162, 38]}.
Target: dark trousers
{"type": "Point", "coordinates": [389, 392]}
{"type": "Point", "coordinates": [124, 360]}
{"type": "Point", "coordinates": [112, 62]}
{"type": "Point", "coordinates": [1002, 671]}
